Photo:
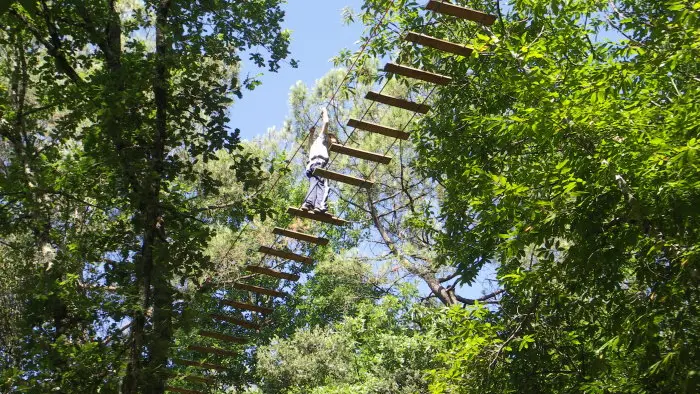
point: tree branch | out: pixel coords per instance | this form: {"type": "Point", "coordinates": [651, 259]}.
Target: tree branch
{"type": "Point", "coordinates": [483, 300]}
{"type": "Point", "coordinates": [62, 64]}
{"type": "Point", "coordinates": [449, 277]}
{"type": "Point", "coordinates": [443, 294]}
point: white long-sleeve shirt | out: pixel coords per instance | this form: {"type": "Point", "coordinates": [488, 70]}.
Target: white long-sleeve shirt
{"type": "Point", "coordinates": [318, 154]}
{"type": "Point", "coordinates": [318, 148]}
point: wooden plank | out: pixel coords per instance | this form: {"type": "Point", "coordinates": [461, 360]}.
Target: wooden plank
{"type": "Point", "coordinates": [286, 255]}
{"type": "Point", "coordinates": [439, 44]}
{"type": "Point", "coordinates": [200, 379]}
{"type": "Point", "coordinates": [415, 73]}
{"type": "Point", "coordinates": [317, 216]}
{"type": "Point", "coordinates": [247, 307]}
{"type": "Point", "coordinates": [182, 391]}
{"type": "Point", "coordinates": [198, 364]}
{"type": "Point", "coordinates": [233, 320]}
{"type": "Point", "coordinates": [258, 289]}
{"type": "Point", "coordinates": [376, 128]}
{"type": "Point", "coordinates": [336, 176]}
{"type": "Point", "coordinates": [271, 272]}
{"type": "Point", "coordinates": [398, 102]}
{"type": "Point", "coordinates": [360, 154]}
{"type": "Point", "coordinates": [212, 350]}
{"type": "Point", "coordinates": [222, 337]}
{"type": "Point", "coordinates": [443, 7]}
{"type": "Point", "coordinates": [301, 236]}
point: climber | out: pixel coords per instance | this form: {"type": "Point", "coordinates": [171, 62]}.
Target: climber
{"type": "Point", "coordinates": [318, 158]}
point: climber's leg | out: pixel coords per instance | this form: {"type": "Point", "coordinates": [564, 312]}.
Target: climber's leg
{"type": "Point", "coordinates": [310, 199]}
{"type": "Point", "coordinates": [324, 188]}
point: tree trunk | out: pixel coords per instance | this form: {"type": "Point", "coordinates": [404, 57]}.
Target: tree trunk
{"type": "Point", "coordinates": [155, 269]}
{"type": "Point", "coordinates": [445, 296]}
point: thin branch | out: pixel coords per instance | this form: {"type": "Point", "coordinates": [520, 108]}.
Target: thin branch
{"type": "Point", "coordinates": [62, 64]}
{"type": "Point", "coordinates": [449, 277]}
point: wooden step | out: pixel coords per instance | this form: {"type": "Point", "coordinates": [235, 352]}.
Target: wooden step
{"type": "Point", "coordinates": [221, 337]}
{"type": "Point", "coordinates": [317, 216]}
{"type": "Point", "coordinates": [301, 236]}
{"type": "Point", "coordinates": [198, 364]}
{"type": "Point", "coordinates": [233, 320]}
{"type": "Point", "coordinates": [415, 73]}
{"type": "Point", "coordinates": [200, 379]}
{"type": "Point", "coordinates": [336, 176]}
{"type": "Point", "coordinates": [271, 272]}
{"type": "Point", "coordinates": [398, 102]}
{"type": "Point", "coordinates": [439, 44]}
{"type": "Point", "coordinates": [247, 307]}
{"type": "Point", "coordinates": [286, 255]}
{"type": "Point", "coordinates": [444, 7]}
{"type": "Point", "coordinates": [379, 129]}
{"type": "Point", "coordinates": [360, 154]}
{"type": "Point", "coordinates": [182, 391]}
{"type": "Point", "coordinates": [258, 289]}
{"type": "Point", "coordinates": [212, 350]}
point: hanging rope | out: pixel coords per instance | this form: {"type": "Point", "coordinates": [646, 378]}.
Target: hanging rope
{"type": "Point", "coordinates": [372, 35]}
{"type": "Point", "coordinates": [423, 28]}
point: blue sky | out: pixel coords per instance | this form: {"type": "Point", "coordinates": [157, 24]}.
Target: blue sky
{"type": "Point", "coordinates": [318, 34]}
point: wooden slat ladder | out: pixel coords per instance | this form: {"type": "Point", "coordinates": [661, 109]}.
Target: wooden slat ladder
{"type": "Point", "coordinates": [336, 176]}
{"type": "Point", "coordinates": [182, 391]}
{"type": "Point", "coordinates": [271, 272]}
{"type": "Point", "coordinates": [317, 216]}
{"type": "Point", "coordinates": [415, 73]}
{"type": "Point", "coordinates": [222, 337]}
{"type": "Point", "coordinates": [376, 128]}
{"type": "Point", "coordinates": [248, 307]}
{"type": "Point", "coordinates": [212, 350]}
{"type": "Point", "coordinates": [286, 255]}
{"type": "Point", "coordinates": [439, 44]}
{"type": "Point", "coordinates": [233, 320]}
{"type": "Point", "coordinates": [443, 7]}
{"type": "Point", "coordinates": [360, 154]}
{"type": "Point", "coordinates": [198, 364]}
{"type": "Point", "coordinates": [301, 236]}
{"type": "Point", "coordinates": [398, 102]}
{"type": "Point", "coordinates": [258, 289]}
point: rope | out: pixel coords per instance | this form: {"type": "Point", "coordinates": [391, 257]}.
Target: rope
{"type": "Point", "coordinates": [349, 137]}
{"type": "Point", "coordinates": [313, 249]}
{"type": "Point", "coordinates": [373, 34]}
{"type": "Point", "coordinates": [423, 28]}
{"type": "Point", "coordinates": [388, 150]}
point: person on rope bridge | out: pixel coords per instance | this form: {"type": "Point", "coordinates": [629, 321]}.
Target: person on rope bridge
{"type": "Point", "coordinates": [317, 195]}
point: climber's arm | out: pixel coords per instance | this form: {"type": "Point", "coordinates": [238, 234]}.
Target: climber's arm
{"type": "Point", "coordinates": [326, 121]}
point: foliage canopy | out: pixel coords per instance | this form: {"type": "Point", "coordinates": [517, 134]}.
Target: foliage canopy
{"type": "Point", "coordinates": [564, 154]}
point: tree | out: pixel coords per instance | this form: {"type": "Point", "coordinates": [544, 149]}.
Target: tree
{"type": "Point", "coordinates": [376, 344]}
{"type": "Point", "coordinates": [566, 151]}
{"type": "Point", "coordinates": [92, 97]}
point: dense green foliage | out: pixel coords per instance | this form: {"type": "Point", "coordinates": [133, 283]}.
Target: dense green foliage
{"type": "Point", "coordinates": [564, 154]}
{"type": "Point", "coordinates": [106, 109]}
{"type": "Point", "coordinates": [375, 347]}
{"type": "Point", "coordinates": [569, 156]}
